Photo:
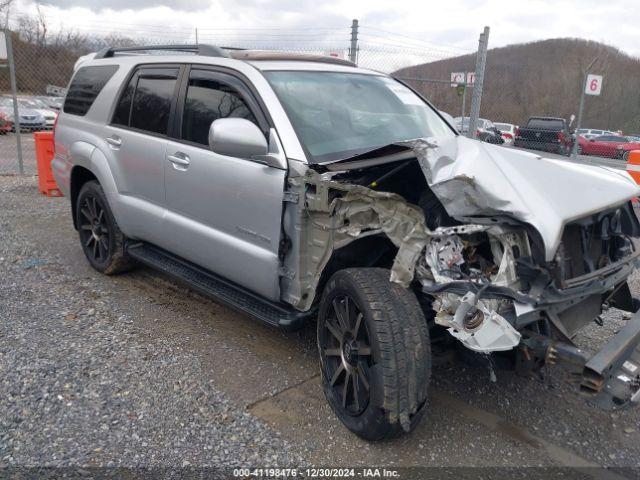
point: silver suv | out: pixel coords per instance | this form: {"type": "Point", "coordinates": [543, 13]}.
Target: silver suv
{"type": "Point", "coordinates": [296, 188]}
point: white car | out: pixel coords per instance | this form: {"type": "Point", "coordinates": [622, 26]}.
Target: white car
{"type": "Point", "coordinates": [42, 108]}
{"type": "Point", "coordinates": [592, 132]}
{"type": "Point", "coordinates": [508, 131]}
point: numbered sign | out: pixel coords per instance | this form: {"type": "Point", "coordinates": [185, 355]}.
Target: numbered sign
{"type": "Point", "coordinates": [456, 78]}
{"type": "Point", "coordinates": [594, 85]}
{"type": "Point", "coordinates": [471, 78]}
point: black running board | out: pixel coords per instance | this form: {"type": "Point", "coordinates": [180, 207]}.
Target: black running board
{"type": "Point", "coordinates": [219, 289]}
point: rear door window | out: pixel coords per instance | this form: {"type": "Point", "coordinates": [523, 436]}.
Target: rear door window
{"type": "Point", "coordinates": [145, 103]}
{"type": "Point", "coordinates": [87, 83]}
{"type": "Point", "coordinates": [209, 98]}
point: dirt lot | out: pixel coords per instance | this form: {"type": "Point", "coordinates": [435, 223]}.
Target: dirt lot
{"type": "Point", "coordinates": [134, 370]}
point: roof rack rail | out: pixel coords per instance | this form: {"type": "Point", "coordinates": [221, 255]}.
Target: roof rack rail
{"type": "Point", "coordinates": [199, 49]}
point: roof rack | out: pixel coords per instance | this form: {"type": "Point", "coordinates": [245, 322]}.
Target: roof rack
{"type": "Point", "coordinates": [249, 55]}
{"type": "Point", "coordinates": [226, 52]}
{"type": "Point", "coordinates": [200, 49]}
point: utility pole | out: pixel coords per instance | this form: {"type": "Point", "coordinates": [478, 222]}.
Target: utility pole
{"type": "Point", "coordinates": [197, 43]}
{"type": "Point", "coordinates": [353, 49]}
{"type": "Point", "coordinates": [574, 150]}
{"type": "Point", "coordinates": [476, 97]}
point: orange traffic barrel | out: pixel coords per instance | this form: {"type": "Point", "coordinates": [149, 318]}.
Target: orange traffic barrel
{"type": "Point", "coordinates": [44, 154]}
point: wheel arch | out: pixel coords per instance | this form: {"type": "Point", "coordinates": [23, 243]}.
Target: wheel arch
{"type": "Point", "coordinates": [79, 176]}
{"type": "Point", "coordinates": [372, 251]}
{"type": "Point", "coordinates": [89, 163]}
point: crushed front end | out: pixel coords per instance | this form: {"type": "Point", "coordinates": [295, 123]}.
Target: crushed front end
{"type": "Point", "coordinates": [494, 293]}
{"type": "Point", "coordinates": [503, 263]}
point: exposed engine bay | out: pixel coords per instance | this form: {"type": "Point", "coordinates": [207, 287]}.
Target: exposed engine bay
{"type": "Point", "coordinates": [485, 270]}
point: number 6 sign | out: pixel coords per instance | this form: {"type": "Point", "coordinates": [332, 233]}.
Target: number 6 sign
{"type": "Point", "coordinates": [594, 85]}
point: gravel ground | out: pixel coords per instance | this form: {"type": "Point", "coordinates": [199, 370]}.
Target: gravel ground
{"type": "Point", "coordinates": [84, 385]}
{"type": "Point", "coordinates": [135, 370]}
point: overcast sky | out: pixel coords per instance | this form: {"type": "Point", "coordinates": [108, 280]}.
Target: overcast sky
{"type": "Point", "coordinates": [450, 25]}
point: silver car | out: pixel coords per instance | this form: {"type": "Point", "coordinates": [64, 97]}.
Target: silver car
{"type": "Point", "coordinates": [296, 188]}
{"type": "Point", "coordinates": [41, 107]}
{"type": "Point", "coordinates": [30, 119]}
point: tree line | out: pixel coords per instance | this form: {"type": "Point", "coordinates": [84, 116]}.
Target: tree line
{"type": "Point", "coordinates": [542, 78]}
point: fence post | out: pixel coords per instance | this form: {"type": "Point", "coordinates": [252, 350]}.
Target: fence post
{"type": "Point", "coordinates": [353, 49]}
{"type": "Point", "coordinates": [14, 93]}
{"type": "Point", "coordinates": [464, 97]}
{"type": "Point", "coordinates": [476, 97]}
{"type": "Point", "coordinates": [574, 148]}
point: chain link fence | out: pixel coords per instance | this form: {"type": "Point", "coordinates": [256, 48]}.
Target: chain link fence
{"type": "Point", "coordinates": [44, 64]}
{"type": "Point", "coordinates": [543, 79]}
{"type": "Point", "coordinates": [532, 94]}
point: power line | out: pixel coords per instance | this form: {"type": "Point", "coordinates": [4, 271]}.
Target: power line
{"type": "Point", "coordinates": [415, 39]}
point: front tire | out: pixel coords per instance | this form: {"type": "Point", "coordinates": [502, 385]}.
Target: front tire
{"type": "Point", "coordinates": [100, 237]}
{"type": "Point", "coordinates": [375, 355]}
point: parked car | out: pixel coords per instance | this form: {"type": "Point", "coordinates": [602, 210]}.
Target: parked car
{"type": "Point", "coordinates": [508, 132]}
{"type": "Point", "coordinates": [248, 176]}
{"type": "Point", "coordinates": [592, 132]}
{"type": "Point", "coordinates": [6, 125]}
{"type": "Point", "coordinates": [486, 131]}
{"type": "Point", "coordinates": [53, 103]}
{"type": "Point", "coordinates": [30, 119]}
{"type": "Point", "coordinates": [42, 108]}
{"type": "Point", "coordinates": [548, 134]}
{"type": "Point", "coordinates": [611, 146]}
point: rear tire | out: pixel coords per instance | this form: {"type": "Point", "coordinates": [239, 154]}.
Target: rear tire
{"type": "Point", "coordinates": [375, 355]}
{"type": "Point", "coordinates": [100, 237]}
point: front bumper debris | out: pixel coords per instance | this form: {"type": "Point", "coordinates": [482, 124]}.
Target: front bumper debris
{"type": "Point", "coordinates": [610, 378]}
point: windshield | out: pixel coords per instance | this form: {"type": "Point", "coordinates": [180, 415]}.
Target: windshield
{"type": "Point", "coordinates": [503, 127]}
{"type": "Point", "coordinates": [339, 115]}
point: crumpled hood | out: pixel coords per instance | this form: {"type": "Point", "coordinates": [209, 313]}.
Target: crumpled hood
{"type": "Point", "coordinates": [473, 178]}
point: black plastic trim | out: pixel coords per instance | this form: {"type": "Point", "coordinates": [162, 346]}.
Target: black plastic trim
{"type": "Point", "coordinates": [211, 285]}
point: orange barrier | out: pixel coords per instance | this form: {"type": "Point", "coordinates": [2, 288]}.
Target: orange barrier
{"type": "Point", "coordinates": [633, 165]}
{"type": "Point", "coordinates": [44, 154]}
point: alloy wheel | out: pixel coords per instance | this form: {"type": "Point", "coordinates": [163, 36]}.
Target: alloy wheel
{"type": "Point", "coordinates": [345, 353]}
{"type": "Point", "coordinates": [94, 230]}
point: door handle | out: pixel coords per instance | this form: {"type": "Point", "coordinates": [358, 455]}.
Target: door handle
{"type": "Point", "coordinates": [179, 160]}
{"type": "Point", "coordinates": [114, 141]}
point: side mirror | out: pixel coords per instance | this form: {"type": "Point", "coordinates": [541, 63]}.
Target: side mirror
{"type": "Point", "coordinates": [592, 139]}
{"type": "Point", "coordinates": [237, 137]}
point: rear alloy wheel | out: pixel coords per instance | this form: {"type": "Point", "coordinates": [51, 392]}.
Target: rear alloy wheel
{"type": "Point", "coordinates": [374, 353]}
{"type": "Point", "coordinates": [101, 239]}
{"type": "Point", "coordinates": [625, 156]}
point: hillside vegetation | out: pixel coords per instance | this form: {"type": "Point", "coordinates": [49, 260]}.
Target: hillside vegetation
{"type": "Point", "coordinates": [542, 78]}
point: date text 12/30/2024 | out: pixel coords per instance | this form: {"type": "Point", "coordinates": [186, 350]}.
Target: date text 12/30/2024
{"type": "Point", "coordinates": [315, 473]}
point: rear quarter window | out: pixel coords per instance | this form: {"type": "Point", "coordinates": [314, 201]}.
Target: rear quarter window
{"type": "Point", "coordinates": [85, 86]}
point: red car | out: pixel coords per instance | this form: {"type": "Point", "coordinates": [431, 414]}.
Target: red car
{"type": "Point", "coordinates": [612, 146]}
{"type": "Point", "coordinates": [5, 124]}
